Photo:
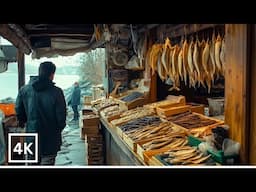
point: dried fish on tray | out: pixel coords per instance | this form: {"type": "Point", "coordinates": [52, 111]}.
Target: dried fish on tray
{"type": "Point", "coordinates": [111, 113]}
{"type": "Point", "coordinates": [104, 103]}
{"type": "Point", "coordinates": [191, 120]}
{"type": "Point", "coordinates": [198, 125]}
{"type": "Point", "coordinates": [185, 155]}
{"type": "Point", "coordinates": [132, 114]}
{"type": "Point", "coordinates": [140, 122]}
{"type": "Point", "coordinates": [149, 131]}
{"type": "Point", "coordinates": [132, 96]}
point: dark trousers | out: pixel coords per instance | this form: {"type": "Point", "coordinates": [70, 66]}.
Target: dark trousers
{"type": "Point", "coordinates": [75, 109]}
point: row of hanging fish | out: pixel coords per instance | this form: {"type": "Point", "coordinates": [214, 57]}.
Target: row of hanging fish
{"type": "Point", "coordinates": [193, 62]}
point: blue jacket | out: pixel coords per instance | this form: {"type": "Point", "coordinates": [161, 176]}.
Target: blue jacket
{"type": "Point", "coordinates": [42, 106]}
{"type": "Point", "coordinates": [76, 96]}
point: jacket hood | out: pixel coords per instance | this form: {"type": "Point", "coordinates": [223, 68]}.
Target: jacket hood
{"type": "Point", "coordinates": [41, 83]}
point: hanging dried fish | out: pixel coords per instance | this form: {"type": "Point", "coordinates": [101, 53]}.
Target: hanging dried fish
{"type": "Point", "coordinates": [180, 64]}
{"type": "Point", "coordinates": [191, 67]}
{"type": "Point", "coordinates": [222, 56]}
{"type": "Point", "coordinates": [196, 60]}
{"type": "Point", "coordinates": [205, 57]}
{"type": "Point", "coordinates": [185, 60]}
{"type": "Point", "coordinates": [165, 56]}
{"type": "Point", "coordinates": [160, 69]}
{"type": "Point", "coordinates": [200, 64]}
{"type": "Point", "coordinates": [217, 54]}
{"type": "Point", "coordinates": [175, 74]}
{"type": "Point", "coordinates": [212, 63]}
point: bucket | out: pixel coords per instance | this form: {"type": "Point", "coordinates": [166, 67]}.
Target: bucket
{"type": "Point", "coordinates": [216, 106]}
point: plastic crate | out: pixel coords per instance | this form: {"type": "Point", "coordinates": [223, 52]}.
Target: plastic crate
{"type": "Point", "coordinates": [218, 156]}
{"type": "Point", "coordinates": [193, 141]}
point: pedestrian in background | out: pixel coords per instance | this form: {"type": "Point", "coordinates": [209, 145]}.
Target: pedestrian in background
{"type": "Point", "coordinates": [75, 101]}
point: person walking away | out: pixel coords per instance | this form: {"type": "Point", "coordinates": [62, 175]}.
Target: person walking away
{"type": "Point", "coordinates": [75, 100]}
{"type": "Point", "coordinates": [41, 106]}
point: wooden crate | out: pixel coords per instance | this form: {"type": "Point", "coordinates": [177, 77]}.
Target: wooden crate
{"type": "Point", "coordinates": [197, 108]}
{"type": "Point", "coordinates": [130, 143]}
{"type": "Point", "coordinates": [169, 111]}
{"type": "Point", "coordinates": [133, 145]}
{"type": "Point", "coordinates": [139, 102]}
{"type": "Point", "coordinates": [96, 162]}
{"type": "Point", "coordinates": [148, 155]}
{"type": "Point", "coordinates": [207, 128]}
{"type": "Point", "coordinates": [87, 100]}
{"type": "Point", "coordinates": [91, 130]}
{"type": "Point", "coordinates": [119, 132]}
{"type": "Point", "coordinates": [109, 118]}
{"type": "Point", "coordinates": [94, 138]}
{"type": "Point", "coordinates": [82, 133]}
{"type": "Point", "coordinates": [91, 121]}
{"type": "Point", "coordinates": [181, 100]}
{"type": "Point", "coordinates": [140, 152]}
{"type": "Point", "coordinates": [86, 110]}
{"type": "Point", "coordinates": [153, 161]}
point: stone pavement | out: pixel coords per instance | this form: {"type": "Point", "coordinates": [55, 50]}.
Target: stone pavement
{"type": "Point", "coordinates": [73, 149]}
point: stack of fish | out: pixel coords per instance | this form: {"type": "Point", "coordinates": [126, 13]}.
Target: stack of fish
{"type": "Point", "coordinates": [198, 62]}
{"type": "Point", "coordinates": [185, 155]}
{"type": "Point", "coordinates": [132, 114]}
{"type": "Point", "coordinates": [140, 123]}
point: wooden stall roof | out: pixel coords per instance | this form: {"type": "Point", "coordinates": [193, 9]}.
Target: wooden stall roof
{"type": "Point", "coordinates": [47, 40]}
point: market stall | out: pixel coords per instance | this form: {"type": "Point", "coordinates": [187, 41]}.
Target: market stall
{"type": "Point", "coordinates": [171, 92]}
{"type": "Point", "coordinates": [187, 61]}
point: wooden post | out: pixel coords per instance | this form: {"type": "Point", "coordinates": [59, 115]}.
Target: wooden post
{"type": "Point", "coordinates": [252, 141]}
{"type": "Point", "coordinates": [106, 71]}
{"type": "Point", "coordinates": [236, 85]}
{"type": "Point", "coordinates": [21, 69]}
{"type": "Point", "coordinates": [153, 82]}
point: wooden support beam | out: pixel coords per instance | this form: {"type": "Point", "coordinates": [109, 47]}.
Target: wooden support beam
{"type": "Point", "coordinates": [236, 85]}
{"type": "Point", "coordinates": [21, 69]}
{"type": "Point", "coordinates": [148, 70]}
{"type": "Point", "coordinates": [15, 39]}
{"type": "Point", "coordinates": [252, 133]}
{"type": "Point", "coordinates": [21, 33]}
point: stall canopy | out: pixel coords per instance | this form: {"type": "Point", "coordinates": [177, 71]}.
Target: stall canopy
{"type": "Point", "coordinates": [48, 40]}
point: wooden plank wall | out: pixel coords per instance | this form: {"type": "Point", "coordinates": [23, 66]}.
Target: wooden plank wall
{"type": "Point", "coordinates": [252, 144]}
{"type": "Point", "coordinates": [236, 82]}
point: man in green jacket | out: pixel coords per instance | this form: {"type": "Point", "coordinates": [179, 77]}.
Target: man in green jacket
{"type": "Point", "coordinates": [41, 106]}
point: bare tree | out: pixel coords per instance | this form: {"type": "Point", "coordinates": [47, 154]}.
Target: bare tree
{"type": "Point", "coordinates": [91, 68]}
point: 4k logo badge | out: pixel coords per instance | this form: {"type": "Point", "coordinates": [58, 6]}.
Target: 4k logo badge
{"type": "Point", "coordinates": [22, 148]}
